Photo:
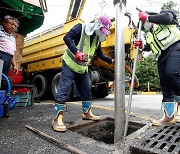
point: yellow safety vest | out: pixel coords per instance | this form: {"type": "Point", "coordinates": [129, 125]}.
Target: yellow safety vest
{"type": "Point", "coordinates": [84, 43]}
{"type": "Point", "coordinates": [162, 37]}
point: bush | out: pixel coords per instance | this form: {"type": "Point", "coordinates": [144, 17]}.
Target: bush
{"type": "Point", "coordinates": [146, 71]}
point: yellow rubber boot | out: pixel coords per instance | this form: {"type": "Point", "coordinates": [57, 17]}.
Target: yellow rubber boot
{"type": "Point", "coordinates": [177, 99]}
{"type": "Point", "coordinates": [168, 115]}
{"type": "Point", "coordinates": [178, 113]}
{"type": "Point", "coordinates": [87, 112]}
{"type": "Point", "coordinates": [57, 123]}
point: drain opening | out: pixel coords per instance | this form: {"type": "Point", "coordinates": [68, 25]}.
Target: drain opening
{"type": "Point", "coordinates": [103, 131]}
{"type": "Point", "coordinates": [171, 148]}
{"type": "Point", "coordinates": [162, 146]}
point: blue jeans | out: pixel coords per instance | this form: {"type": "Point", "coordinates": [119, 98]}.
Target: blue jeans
{"type": "Point", "coordinates": [7, 61]}
{"type": "Point", "coordinates": [67, 77]}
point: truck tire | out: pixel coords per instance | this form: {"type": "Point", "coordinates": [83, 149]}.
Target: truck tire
{"type": "Point", "coordinates": [100, 91]}
{"type": "Point", "coordinates": [40, 86]}
{"type": "Point", "coordinates": [54, 84]}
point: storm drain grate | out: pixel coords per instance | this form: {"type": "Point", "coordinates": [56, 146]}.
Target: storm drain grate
{"type": "Point", "coordinates": [164, 139]}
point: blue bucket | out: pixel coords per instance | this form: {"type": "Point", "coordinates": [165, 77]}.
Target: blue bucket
{"type": "Point", "coordinates": [12, 103]}
{"type": "Point", "coordinates": [2, 110]}
{"type": "Point", "coordinates": [2, 96]}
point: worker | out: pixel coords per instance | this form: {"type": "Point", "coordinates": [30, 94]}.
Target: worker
{"type": "Point", "coordinates": [8, 43]}
{"type": "Point", "coordinates": [83, 41]}
{"type": "Point", "coordinates": [163, 38]}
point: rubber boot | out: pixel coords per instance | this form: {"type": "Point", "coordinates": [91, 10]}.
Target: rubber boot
{"type": "Point", "coordinates": [168, 115]}
{"type": "Point", "coordinates": [57, 123]}
{"type": "Point", "coordinates": [177, 98]}
{"type": "Point", "coordinates": [87, 111]}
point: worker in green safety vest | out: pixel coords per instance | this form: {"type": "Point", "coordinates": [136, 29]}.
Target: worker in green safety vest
{"type": "Point", "coordinates": [163, 38]}
{"type": "Point", "coordinates": [83, 41]}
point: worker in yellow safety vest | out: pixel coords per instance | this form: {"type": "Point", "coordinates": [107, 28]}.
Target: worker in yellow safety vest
{"type": "Point", "coordinates": [83, 41]}
{"type": "Point", "coordinates": [163, 38]}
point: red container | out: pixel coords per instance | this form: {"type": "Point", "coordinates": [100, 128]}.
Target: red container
{"type": "Point", "coordinates": [15, 78]}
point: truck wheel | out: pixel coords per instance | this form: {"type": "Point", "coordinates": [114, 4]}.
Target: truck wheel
{"type": "Point", "coordinates": [100, 91]}
{"type": "Point", "coordinates": [40, 86]}
{"type": "Point", "coordinates": [54, 84]}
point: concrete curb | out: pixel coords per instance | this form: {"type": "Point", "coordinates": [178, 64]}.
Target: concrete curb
{"type": "Point", "coordinates": [148, 93]}
{"type": "Point", "coordinates": [142, 93]}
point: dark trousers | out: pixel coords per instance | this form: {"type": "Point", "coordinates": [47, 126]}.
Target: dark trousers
{"type": "Point", "coordinates": [169, 73]}
{"type": "Point", "coordinates": [82, 82]}
{"type": "Point", "coordinates": [7, 58]}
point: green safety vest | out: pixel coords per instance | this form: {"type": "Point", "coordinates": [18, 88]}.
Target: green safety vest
{"type": "Point", "coordinates": [162, 37]}
{"type": "Point", "coordinates": [83, 46]}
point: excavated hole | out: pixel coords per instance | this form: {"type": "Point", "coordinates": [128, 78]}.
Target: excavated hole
{"type": "Point", "coordinates": [104, 130]}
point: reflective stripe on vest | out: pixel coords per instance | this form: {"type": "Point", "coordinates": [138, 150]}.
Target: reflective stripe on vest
{"type": "Point", "coordinates": [162, 37]}
{"type": "Point", "coordinates": [70, 59]}
{"type": "Point", "coordinates": [155, 49]}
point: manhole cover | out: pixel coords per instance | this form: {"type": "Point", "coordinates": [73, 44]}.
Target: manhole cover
{"type": "Point", "coordinates": [164, 139]}
{"type": "Point", "coordinates": [104, 130]}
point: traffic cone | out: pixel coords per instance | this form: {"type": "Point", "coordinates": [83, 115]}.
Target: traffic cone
{"type": "Point", "coordinates": [177, 98]}
{"type": "Point", "coordinates": [168, 115]}
{"type": "Point", "coordinates": [57, 123]}
{"type": "Point", "coordinates": [87, 112]}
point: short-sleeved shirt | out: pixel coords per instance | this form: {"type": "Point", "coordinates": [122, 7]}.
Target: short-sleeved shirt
{"type": "Point", "coordinates": [7, 42]}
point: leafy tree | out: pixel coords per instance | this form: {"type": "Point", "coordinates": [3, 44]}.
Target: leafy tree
{"type": "Point", "coordinates": [146, 71]}
{"type": "Point", "coordinates": [172, 6]}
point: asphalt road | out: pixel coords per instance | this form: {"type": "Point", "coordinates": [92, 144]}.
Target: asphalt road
{"type": "Point", "coordinates": [139, 101]}
{"type": "Point", "coordinates": [15, 138]}
{"type": "Point", "coordinates": [149, 105]}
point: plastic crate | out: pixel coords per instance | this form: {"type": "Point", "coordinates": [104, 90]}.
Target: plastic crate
{"type": "Point", "coordinates": [22, 99]}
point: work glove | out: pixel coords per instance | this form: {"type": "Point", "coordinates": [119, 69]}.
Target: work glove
{"type": "Point", "coordinates": [81, 57]}
{"type": "Point", "coordinates": [138, 43]}
{"type": "Point", "coordinates": [143, 16]}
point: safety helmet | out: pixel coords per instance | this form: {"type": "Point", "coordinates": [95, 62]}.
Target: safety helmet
{"type": "Point", "coordinates": [106, 24]}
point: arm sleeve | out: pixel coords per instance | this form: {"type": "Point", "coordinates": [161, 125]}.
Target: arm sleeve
{"type": "Point", "coordinates": [102, 56]}
{"type": "Point", "coordinates": [72, 38]}
{"type": "Point", "coordinates": [164, 18]}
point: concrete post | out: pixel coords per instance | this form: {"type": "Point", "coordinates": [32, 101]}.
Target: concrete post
{"type": "Point", "coordinates": [119, 106]}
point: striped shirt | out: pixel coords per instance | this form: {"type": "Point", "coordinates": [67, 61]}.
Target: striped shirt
{"type": "Point", "coordinates": [7, 42]}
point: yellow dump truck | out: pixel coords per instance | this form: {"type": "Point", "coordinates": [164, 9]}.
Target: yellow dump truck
{"type": "Point", "coordinates": [42, 59]}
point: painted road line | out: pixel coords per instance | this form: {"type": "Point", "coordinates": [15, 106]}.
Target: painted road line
{"type": "Point", "coordinates": [133, 114]}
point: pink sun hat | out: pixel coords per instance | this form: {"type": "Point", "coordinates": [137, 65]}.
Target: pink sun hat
{"type": "Point", "coordinates": [106, 22]}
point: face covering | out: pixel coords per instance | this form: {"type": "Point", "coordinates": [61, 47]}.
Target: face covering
{"type": "Point", "coordinates": [102, 36]}
{"type": "Point", "coordinates": [147, 25]}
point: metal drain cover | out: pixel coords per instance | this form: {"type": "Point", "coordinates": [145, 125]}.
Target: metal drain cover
{"type": "Point", "coordinates": [164, 139]}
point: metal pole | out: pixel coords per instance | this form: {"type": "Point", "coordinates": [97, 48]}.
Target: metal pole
{"type": "Point", "coordinates": [119, 117]}
{"type": "Point", "coordinates": [132, 81]}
